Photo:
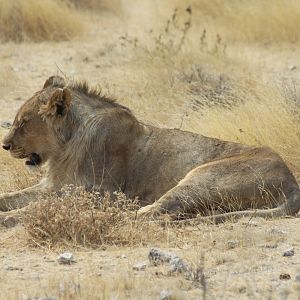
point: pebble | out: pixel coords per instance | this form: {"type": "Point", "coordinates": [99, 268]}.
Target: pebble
{"type": "Point", "coordinates": [14, 269]}
{"type": "Point", "coordinates": [140, 266]}
{"type": "Point", "coordinates": [276, 231]}
{"type": "Point", "coordinates": [66, 258]}
{"type": "Point", "coordinates": [165, 295]}
{"type": "Point", "coordinates": [284, 276]}
{"type": "Point", "coordinates": [292, 67]}
{"type": "Point", "coordinates": [5, 124]}
{"type": "Point", "coordinates": [178, 265]}
{"type": "Point", "coordinates": [232, 244]}
{"type": "Point", "coordinates": [289, 252]}
{"type": "Point", "coordinates": [10, 221]}
{"type": "Point", "coordinates": [157, 256]}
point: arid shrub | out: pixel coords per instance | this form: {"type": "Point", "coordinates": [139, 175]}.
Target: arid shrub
{"type": "Point", "coordinates": [37, 20]}
{"type": "Point", "coordinates": [83, 218]}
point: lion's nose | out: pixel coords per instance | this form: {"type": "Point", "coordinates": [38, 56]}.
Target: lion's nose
{"type": "Point", "coordinates": [6, 146]}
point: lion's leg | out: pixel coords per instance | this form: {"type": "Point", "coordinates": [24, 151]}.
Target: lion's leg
{"type": "Point", "coordinates": [238, 183]}
{"type": "Point", "coordinates": [184, 198]}
{"type": "Point", "coordinates": [19, 199]}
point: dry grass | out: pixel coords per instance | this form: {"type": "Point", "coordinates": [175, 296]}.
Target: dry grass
{"type": "Point", "coordinates": [37, 20]}
{"type": "Point", "coordinates": [254, 21]}
{"type": "Point", "coordinates": [206, 86]}
{"type": "Point", "coordinates": [263, 117]}
{"type": "Point", "coordinates": [202, 88]}
{"type": "Point", "coordinates": [88, 219]}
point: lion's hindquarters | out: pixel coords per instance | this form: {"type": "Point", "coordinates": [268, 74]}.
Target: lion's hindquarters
{"type": "Point", "coordinates": [241, 182]}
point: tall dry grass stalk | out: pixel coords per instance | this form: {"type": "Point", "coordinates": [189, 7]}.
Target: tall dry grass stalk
{"type": "Point", "coordinates": [209, 91]}
{"type": "Point", "coordinates": [37, 20]}
{"type": "Point", "coordinates": [255, 20]}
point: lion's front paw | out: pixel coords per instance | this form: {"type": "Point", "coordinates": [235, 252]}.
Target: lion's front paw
{"type": "Point", "coordinates": [148, 212]}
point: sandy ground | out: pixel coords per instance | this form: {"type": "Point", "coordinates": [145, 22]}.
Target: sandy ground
{"type": "Point", "coordinates": [245, 261]}
{"type": "Point", "coordinates": [248, 268]}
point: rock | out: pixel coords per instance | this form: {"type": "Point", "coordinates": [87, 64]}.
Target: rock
{"type": "Point", "coordinates": [270, 246]}
{"type": "Point", "coordinates": [232, 244]}
{"type": "Point", "coordinates": [10, 221]}
{"type": "Point", "coordinates": [276, 231]}
{"type": "Point", "coordinates": [178, 265]}
{"type": "Point", "coordinates": [251, 223]}
{"type": "Point", "coordinates": [123, 256]}
{"type": "Point", "coordinates": [165, 295]}
{"type": "Point", "coordinates": [140, 266]}
{"type": "Point", "coordinates": [289, 252]}
{"type": "Point", "coordinates": [292, 67]}
{"type": "Point", "coordinates": [284, 276]}
{"type": "Point", "coordinates": [66, 258]}
{"type": "Point", "coordinates": [297, 278]}
{"type": "Point", "coordinates": [14, 269]}
{"type": "Point", "coordinates": [5, 124]}
{"type": "Point", "coordinates": [157, 256]}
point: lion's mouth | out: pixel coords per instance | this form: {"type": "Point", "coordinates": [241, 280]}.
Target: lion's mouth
{"type": "Point", "coordinates": [33, 160]}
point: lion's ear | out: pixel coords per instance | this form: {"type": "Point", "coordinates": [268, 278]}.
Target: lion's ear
{"type": "Point", "coordinates": [58, 104]}
{"type": "Point", "coordinates": [54, 81]}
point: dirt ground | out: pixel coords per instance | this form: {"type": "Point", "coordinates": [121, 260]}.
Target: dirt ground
{"type": "Point", "coordinates": [242, 260]}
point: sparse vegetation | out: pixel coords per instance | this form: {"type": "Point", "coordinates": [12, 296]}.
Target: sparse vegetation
{"type": "Point", "coordinates": [88, 219]}
{"type": "Point", "coordinates": [227, 69]}
{"type": "Point", "coordinates": [37, 20]}
{"type": "Point", "coordinates": [252, 21]}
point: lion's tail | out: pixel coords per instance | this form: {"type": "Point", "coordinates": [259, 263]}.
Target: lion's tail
{"type": "Point", "coordinates": [290, 208]}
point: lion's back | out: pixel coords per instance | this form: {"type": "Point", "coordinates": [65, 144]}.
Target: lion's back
{"type": "Point", "coordinates": [165, 156]}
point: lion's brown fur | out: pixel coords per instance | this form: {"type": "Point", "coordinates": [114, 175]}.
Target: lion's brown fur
{"type": "Point", "coordinates": [90, 140]}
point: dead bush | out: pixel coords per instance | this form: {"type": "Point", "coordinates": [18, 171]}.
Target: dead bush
{"type": "Point", "coordinates": [37, 20]}
{"type": "Point", "coordinates": [88, 219]}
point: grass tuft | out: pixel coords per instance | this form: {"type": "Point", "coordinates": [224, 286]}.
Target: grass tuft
{"type": "Point", "coordinates": [37, 20]}
{"type": "Point", "coordinates": [87, 219]}
{"type": "Point", "coordinates": [254, 21]}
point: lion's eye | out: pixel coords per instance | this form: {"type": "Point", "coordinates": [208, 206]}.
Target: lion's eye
{"type": "Point", "coordinates": [22, 124]}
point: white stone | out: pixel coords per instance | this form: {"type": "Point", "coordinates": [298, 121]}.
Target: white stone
{"type": "Point", "coordinates": [140, 266]}
{"type": "Point", "coordinates": [66, 258]}
{"type": "Point", "coordinates": [289, 252]}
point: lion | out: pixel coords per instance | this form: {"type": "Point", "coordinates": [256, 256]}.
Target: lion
{"type": "Point", "coordinates": [86, 139]}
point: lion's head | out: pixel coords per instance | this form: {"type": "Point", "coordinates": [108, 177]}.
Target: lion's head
{"type": "Point", "coordinates": [33, 134]}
